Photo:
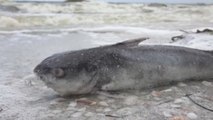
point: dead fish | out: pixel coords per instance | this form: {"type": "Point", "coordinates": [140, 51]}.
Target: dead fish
{"type": "Point", "coordinates": [121, 66]}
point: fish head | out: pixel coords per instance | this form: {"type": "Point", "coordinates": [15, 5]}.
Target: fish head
{"type": "Point", "coordinates": [67, 74]}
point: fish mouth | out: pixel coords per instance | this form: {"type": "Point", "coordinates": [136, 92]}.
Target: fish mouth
{"type": "Point", "coordinates": [42, 78]}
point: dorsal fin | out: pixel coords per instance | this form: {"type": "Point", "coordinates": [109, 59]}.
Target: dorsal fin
{"type": "Point", "coordinates": [130, 43]}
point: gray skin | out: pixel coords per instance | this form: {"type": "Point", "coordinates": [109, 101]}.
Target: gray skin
{"type": "Point", "coordinates": [123, 66]}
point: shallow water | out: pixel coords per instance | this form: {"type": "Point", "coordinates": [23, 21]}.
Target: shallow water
{"type": "Point", "coordinates": [40, 30]}
{"type": "Point", "coordinates": [160, 1]}
{"type": "Point", "coordinates": [101, 13]}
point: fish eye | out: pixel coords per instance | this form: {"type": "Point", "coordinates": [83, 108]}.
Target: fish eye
{"type": "Point", "coordinates": [58, 72]}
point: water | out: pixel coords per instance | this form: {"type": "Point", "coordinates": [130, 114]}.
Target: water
{"type": "Point", "coordinates": [101, 13]}
{"type": "Point", "coordinates": [136, 1]}
{"type": "Point", "coordinates": [160, 1]}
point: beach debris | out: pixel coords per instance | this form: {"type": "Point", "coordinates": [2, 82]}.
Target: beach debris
{"type": "Point", "coordinates": [207, 30]}
{"type": "Point", "coordinates": [103, 103]}
{"type": "Point", "coordinates": [183, 36]}
{"type": "Point", "coordinates": [176, 38]}
{"type": "Point", "coordinates": [113, 116]}
{"type": "Point", "coordinates": [163, 102]}
{"type": "Point", "coordinates": [178, 118]}
{"type": "Point", "coordinates": [189, 97]}
{"type": "Point", "coordinates": [85, 101]}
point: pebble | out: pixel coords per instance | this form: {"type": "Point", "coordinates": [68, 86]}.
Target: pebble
{"type": "Point", "coordinates": [101, 97]}
{"type": "Point", "coordinates": [178, 118]}
{"type": "Point", "coordinates": [178, 101]}
{"type": "Point", "coordinates": [182, 85]}
{"type": "Point", "coordinates": [167, 114]}
{"type": "Point", "coordinates": [156, 93]}
{"type": "Point", "coordinates": [206, 83]}
{"type": "Point", "coordinates": [192, 115]}
{"type": "Point", "coordinates": [114, 106]}
{"type": "Point", "coordinates": [82, 109]}
{"type": "Point", "coordinates": [77, 114]}
{"type": "Point", "coordinates": [89, 114]}
{"type": "Point", "coordinates": [125, 111]}
{"type": "Point", "coordinates": [56, 111]}
{"type": "Point", "coordinates": [167, 90]}
{"type": "Point", "coordinates": [107, 110]}
{"type": "Point", "coordinates": [50, 114]}
{"type": "Point", "coordinates": [175, 106]}
{"type": "Point", "coordinates": [53, 102]}
{"type": "Point", "coordinates": [99, 110]}
{"type": "Point", "coordinates": [131, 100]}
{"type": "Point", "coordinates": [71, 108]}
{"type": "Point", "coordinates": [100, 114]}
{"type": "Point", "coordinates": [110, 101]}
{"type": "Point", "coordinates": [72, 104]}
{"type": "Point", "coordinates": [196, 87]}
{"type": "Point", "coordinates": [157, 98]}
{"type": "Point", "coordinates": [102, 103]}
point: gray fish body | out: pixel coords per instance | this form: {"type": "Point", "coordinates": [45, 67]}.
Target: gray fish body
{"type": "Point", "coordinates": [123, 66]}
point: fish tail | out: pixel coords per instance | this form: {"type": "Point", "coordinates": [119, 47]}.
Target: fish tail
{"type": "Point", "coordinates": [211, 52]}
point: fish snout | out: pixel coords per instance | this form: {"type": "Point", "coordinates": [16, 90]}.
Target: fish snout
{"type": "Point", "coordinates": [41, 70]}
